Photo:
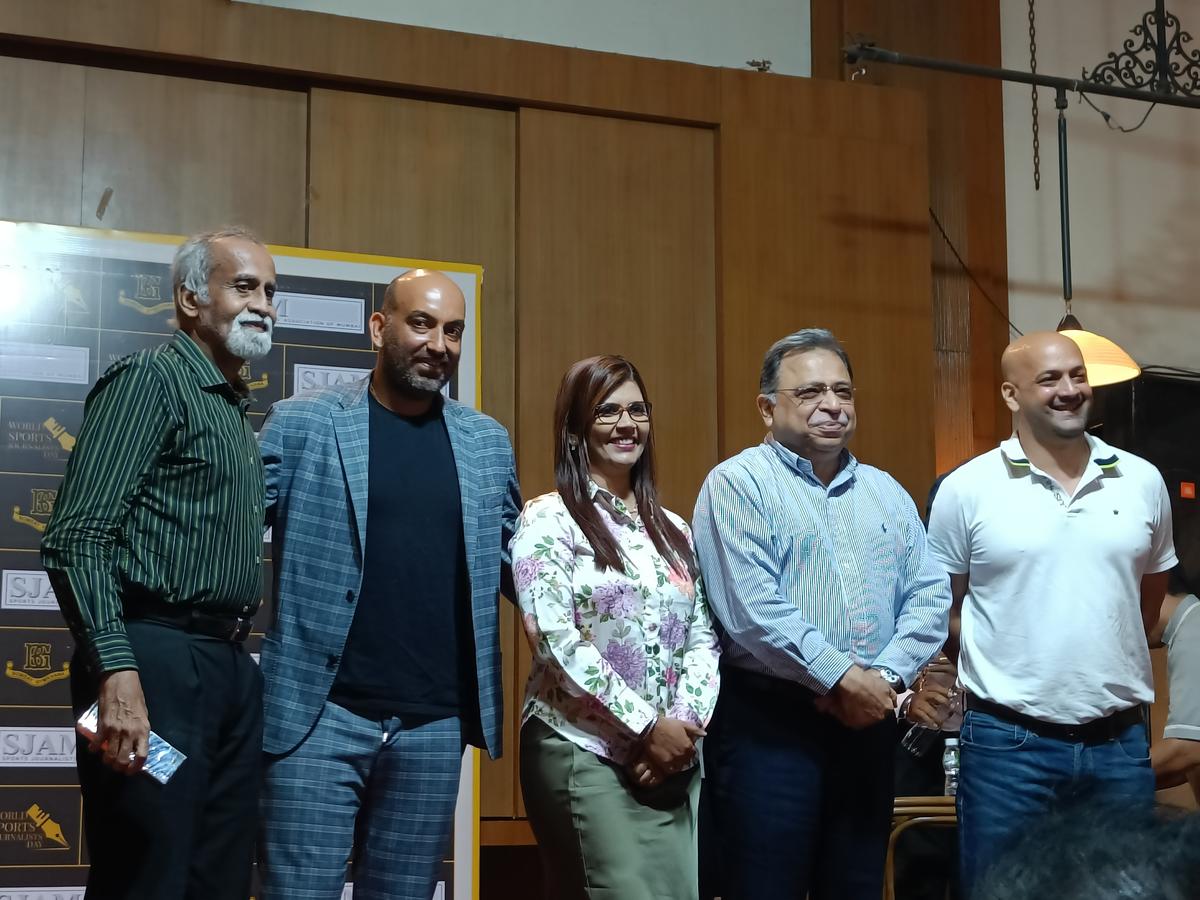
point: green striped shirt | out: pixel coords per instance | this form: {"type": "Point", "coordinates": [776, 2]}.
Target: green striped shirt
{"type": "Point", "coordinates": [162, 501]}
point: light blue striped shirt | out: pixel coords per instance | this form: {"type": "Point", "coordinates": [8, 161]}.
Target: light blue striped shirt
{"type": "Point", "coordinates": [807, 579]}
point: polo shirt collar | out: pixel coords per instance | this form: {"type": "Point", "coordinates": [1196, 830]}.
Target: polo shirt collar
{"type": "Point", "coordinates": [1103, 458]}
{"type": "Point", "coordinates": [205, 372]}
{"type": "Point", "coordinates": [797, 463]}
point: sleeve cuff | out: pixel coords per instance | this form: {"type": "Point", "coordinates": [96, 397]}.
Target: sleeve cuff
{"type": "Point", "coordinates": [829, 666]}
{"type": "Point", "coordinates": [1185, 732]}
{"type": "Point", "coordinates": [110, 652]}
{"type": "Point", "coordinates": [680, 710]}
{"type": "Point", "coordinates": [1166, 564]}
{"type": "Point", "coordinates": [899, 663]}
{"type": "Point", "coordinates": [640, 721]}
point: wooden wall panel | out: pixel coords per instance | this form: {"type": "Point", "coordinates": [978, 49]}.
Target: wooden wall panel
{"type": "Point", "coordinates": [827, 37]}
{"type": "Point", "coordinates": [41, 141]}
{"type": "Point", "coordinates": [436, 181]}
{"type": "Point", "coordinates": [182, 155]}
{"type": "Point", "coordinates": [615, 249]}
{"type": "Point", "coordinates": [244, 35]}
{"type": "Point", "coordinates": [165, 26]}
{"type": "Point", "coordinates": [823, 200]}
{"type": "Point", "coordinates": [616, 255]}
{"type": "Point", "coordinates": [966, 174]}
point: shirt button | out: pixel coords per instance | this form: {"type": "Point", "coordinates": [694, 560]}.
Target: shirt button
{"type": "Point", "coordinates": [349, 596]}
{"type": "Point", "coordinates": [332, 662]}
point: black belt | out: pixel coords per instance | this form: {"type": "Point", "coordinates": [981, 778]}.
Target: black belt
{"type": "Point", "coordinates": [215, 625]}
{"type": "Point", "coordinates": [1095, 732]}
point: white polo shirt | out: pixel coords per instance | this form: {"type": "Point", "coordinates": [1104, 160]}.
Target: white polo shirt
{"type": "Point", "coordinates": [1052, 626]}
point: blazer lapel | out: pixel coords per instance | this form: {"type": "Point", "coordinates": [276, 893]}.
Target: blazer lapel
{"type": "Point", "coordinates": [352, 425]}
{"type": "Point", "coordinates": [460, 441]}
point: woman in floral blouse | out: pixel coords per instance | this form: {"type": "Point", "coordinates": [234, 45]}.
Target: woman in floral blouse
{"type": "Point", "coordinates": [624, 655]}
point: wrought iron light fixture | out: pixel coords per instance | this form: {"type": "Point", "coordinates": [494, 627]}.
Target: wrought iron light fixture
{"type": "Point", "coordinates": [1156, 58]}
{"type": "Point", "coordinates": [1170, 68]}
{"type": "Point", "coordinates": [1170, 76]}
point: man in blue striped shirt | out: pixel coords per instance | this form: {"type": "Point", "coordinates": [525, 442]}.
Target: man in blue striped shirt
{"type": "Point", "coordinates": [816, 567]}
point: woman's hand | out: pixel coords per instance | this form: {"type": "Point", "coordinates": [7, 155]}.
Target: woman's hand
{"type": "Point", "coordinates": [643, 775]}
{"type": "Point", "coordinates": [671, 744]}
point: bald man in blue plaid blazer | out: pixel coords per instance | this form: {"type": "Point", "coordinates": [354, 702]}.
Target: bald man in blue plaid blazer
{"type": "Point", "coordinates": [391, 528]}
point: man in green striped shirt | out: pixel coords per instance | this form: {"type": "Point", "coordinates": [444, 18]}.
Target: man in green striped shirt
{"type": "Point", "coordinates": [155, 553]}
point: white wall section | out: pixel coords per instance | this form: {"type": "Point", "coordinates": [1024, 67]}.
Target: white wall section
{"type": "Point", "coordinates": [707, 32]}
{"type": "Point", "coordinates": [1134, 197]}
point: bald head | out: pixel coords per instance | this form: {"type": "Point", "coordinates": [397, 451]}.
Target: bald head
{"type": "Point", "coordinates": [419, 332]}
{"type": "Point", "coordinates": [1045, 385]}
{"type": "Point", "coordinates": [417, 286]}
{"type": "Point", "coordinates": [1031, 352]}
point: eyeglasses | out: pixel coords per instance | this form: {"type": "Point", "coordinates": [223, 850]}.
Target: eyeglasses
{"type": "Point", "coordinates": [808, 394]}
{"type": "Point", "coordinates": [610, 413]}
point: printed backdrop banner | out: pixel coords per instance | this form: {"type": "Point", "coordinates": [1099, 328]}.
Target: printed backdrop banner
{"type": "Point", "coordinates": [72, 302]}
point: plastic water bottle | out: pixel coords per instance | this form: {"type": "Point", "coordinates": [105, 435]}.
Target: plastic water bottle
{"type": "Point", "coordinates": [950, 766]}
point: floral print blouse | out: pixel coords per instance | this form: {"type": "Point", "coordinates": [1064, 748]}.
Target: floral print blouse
{"type": "Point", "coordinates": [611, 650]}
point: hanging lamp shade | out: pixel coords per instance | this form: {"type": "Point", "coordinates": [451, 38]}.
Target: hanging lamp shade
{"type": "Point", "coordinates": [1106, 362]}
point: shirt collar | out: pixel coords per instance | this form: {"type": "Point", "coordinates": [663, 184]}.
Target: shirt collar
{"type": "Point", "coordinates": [803, 466]}
{"type": "Point", "coordinates": [1103, 456]}
{"type": "Point", "coordinates": [611, 504]}
{"type": "Point", "coordinates": [205, 372]}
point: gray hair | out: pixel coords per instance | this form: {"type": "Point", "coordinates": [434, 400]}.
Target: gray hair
{"type": "Point", "coordinates": [801, 341]}
{"type": "Point", "coordinates": [193, 264]}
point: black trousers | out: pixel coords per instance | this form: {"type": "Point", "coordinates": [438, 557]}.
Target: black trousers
{"type": "Point", "coordinates": [799, 805]}
{"type": "Point", "coordinates": [192, 838]}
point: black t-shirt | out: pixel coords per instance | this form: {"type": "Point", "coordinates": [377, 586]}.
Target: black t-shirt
{"type": "Point", "coordinates": [410, 651]}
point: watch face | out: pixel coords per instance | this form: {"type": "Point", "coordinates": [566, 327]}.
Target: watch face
{"type": "Point", "coordinates": [890, 677]}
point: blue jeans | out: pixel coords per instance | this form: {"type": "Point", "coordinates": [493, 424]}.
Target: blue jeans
{"type": "Point", "coordinates": [798, 804]}
{"type": "Point", "coordinates": [1011, 776]}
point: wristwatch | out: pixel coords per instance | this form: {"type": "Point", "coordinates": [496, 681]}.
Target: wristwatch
{"type": "Point", "coordinates": [895, 682]}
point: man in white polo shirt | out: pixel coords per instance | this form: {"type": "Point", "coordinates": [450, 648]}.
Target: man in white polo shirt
{"type": "Point", "coordinates": [1058, 548]}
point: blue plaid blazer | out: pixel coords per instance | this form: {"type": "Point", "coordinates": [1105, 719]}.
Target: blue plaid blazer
{"type": "Point", "coordinates": [315, 448]}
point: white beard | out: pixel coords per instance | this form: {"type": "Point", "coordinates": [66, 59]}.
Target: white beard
{"type": "Point", "coordinates": [246, 344]}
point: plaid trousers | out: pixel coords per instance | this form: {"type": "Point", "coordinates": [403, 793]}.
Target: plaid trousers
{"type": "Point", "coordinates": [378, 789]}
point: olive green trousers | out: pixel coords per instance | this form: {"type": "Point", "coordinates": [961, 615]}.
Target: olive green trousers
{"type": "Point", "coordinates": [599, 838]}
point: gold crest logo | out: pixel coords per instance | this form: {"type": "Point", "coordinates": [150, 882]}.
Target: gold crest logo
{"type": "Point", "coordinates": [40, 507]}
{"type": "Point", "coordinates": [147, 296]}
{"type": "Point", "coordinates": [246, 375]}
{"type": "Point", "coordinates": [37, 659]}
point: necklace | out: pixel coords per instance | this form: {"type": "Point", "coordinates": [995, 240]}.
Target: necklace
{"type": "Point", "coordinates": [371, 391]}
